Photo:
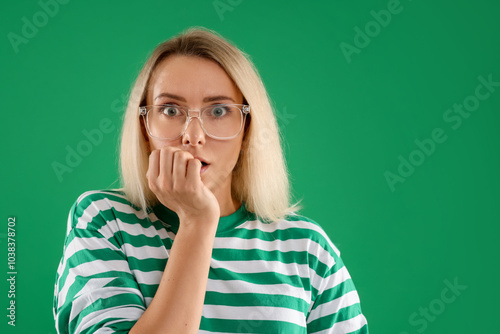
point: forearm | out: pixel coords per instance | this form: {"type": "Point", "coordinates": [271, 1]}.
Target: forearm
{"type": "Point", "coordinates": [178, 303]}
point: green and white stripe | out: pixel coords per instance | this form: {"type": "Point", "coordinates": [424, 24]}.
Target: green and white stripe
{"type": "Point", "coordinates": [282, 277]}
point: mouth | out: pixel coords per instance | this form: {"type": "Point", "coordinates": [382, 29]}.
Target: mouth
{"type": "Point", "coordinates": [202, 161]}
{"type": "Point", "coordinates": [204, 167]}
{"type": "Point", "coordinates": [204, 164]}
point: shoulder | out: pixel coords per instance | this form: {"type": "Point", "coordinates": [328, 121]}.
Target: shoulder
{"type": "Point", "coordinates": [95, 208]}
{"type": "Point", "coordinates": [101, 198]}
{"type": "Point", "coordinates": [296, 227]}
{"type": "Point", "coordinates": [313, 229]}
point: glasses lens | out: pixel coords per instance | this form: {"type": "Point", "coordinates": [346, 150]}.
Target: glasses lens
{"type": "Point", "coordinates": [222, 120]}
{"type": "Point", "coordinates": [168, 122]}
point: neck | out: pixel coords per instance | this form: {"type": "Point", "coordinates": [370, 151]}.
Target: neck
{"type": "Point", "coordinates": [229, 206]}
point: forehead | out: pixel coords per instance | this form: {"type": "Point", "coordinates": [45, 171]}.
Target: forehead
{"type": "Point", "coordinates": [193, 78]}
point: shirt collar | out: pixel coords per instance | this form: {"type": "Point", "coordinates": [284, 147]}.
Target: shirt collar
{"type": "Point", "coordinates": [226, 223]}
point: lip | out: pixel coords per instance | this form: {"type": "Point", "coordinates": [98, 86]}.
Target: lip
{"type": "Point", "coordinates": [202, 160]}
{"type": "Point", "coordinates": [203, 169]}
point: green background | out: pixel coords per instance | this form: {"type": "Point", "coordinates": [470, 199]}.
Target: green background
{"type": "Point", "coordinates": [347, 121]}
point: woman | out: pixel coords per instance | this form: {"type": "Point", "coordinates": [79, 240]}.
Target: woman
{"type": "Point", "coordinates": [201, 164]}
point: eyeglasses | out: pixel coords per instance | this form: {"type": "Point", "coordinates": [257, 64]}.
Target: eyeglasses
{"type": "Point", "coordinates": [170, 121]}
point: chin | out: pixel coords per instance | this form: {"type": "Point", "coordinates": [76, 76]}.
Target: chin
{"type": "Point", "coordinates": [214, 180]}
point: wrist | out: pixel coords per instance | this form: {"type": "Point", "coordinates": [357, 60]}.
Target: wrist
{"type": "Point", "coordinates": [198, 224]}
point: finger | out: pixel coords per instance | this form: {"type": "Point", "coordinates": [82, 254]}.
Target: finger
{"type": "Point", "coordinates": [153, 167]}
{"type": "Point", "coordinates": [166, 161]}
{"type": "Point", "coordinates": [180, 168]}
{"type": "Point", "coordinates": [193, 171]}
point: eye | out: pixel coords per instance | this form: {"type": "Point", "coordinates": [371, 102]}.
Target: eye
{"type": "Point", "coordinates": [219, 111]}
{"type": "Point", "coordinates": [170, 110]}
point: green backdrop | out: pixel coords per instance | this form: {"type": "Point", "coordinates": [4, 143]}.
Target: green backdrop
{"type": "Point", "coordinates": [389, 110]}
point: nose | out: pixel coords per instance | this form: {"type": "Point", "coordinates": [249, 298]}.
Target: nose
{"type": "Point", "coordinates": [194, 134]}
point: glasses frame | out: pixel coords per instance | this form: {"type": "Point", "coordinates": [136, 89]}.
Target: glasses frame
{"type": "Point", "coordinates": [243, 108]}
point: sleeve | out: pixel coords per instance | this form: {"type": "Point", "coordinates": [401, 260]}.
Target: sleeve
{"type": "Point", "coordinates": [95, 290]}
{"type": "Point", "coordinates": [336, 308]}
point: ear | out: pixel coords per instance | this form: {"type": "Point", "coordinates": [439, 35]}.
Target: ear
{"type": "Point", "coordinates": [248, 120]}
{"type": "Point", "coordinates": [145, 135]}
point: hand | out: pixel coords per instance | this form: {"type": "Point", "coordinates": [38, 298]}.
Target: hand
{"type": "Point", "coordinates": [174, 177]}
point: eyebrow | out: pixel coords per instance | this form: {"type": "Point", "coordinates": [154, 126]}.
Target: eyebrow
{"type": "Point", "coordinates": [206, 99]}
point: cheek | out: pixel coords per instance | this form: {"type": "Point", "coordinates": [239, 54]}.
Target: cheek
{"type": "Point", "coordinates": [155, 144]}
{"type": "Point", "coordinates": [234, 151]}
{"type": "Point", "coordinates": [226, 152]}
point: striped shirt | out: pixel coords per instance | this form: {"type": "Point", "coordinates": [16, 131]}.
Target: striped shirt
{"type": "Point", "coordinates": [280, 277]}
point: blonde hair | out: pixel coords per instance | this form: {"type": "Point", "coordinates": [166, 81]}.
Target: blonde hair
{"type": "Point", "coordinates": [260, 177]}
